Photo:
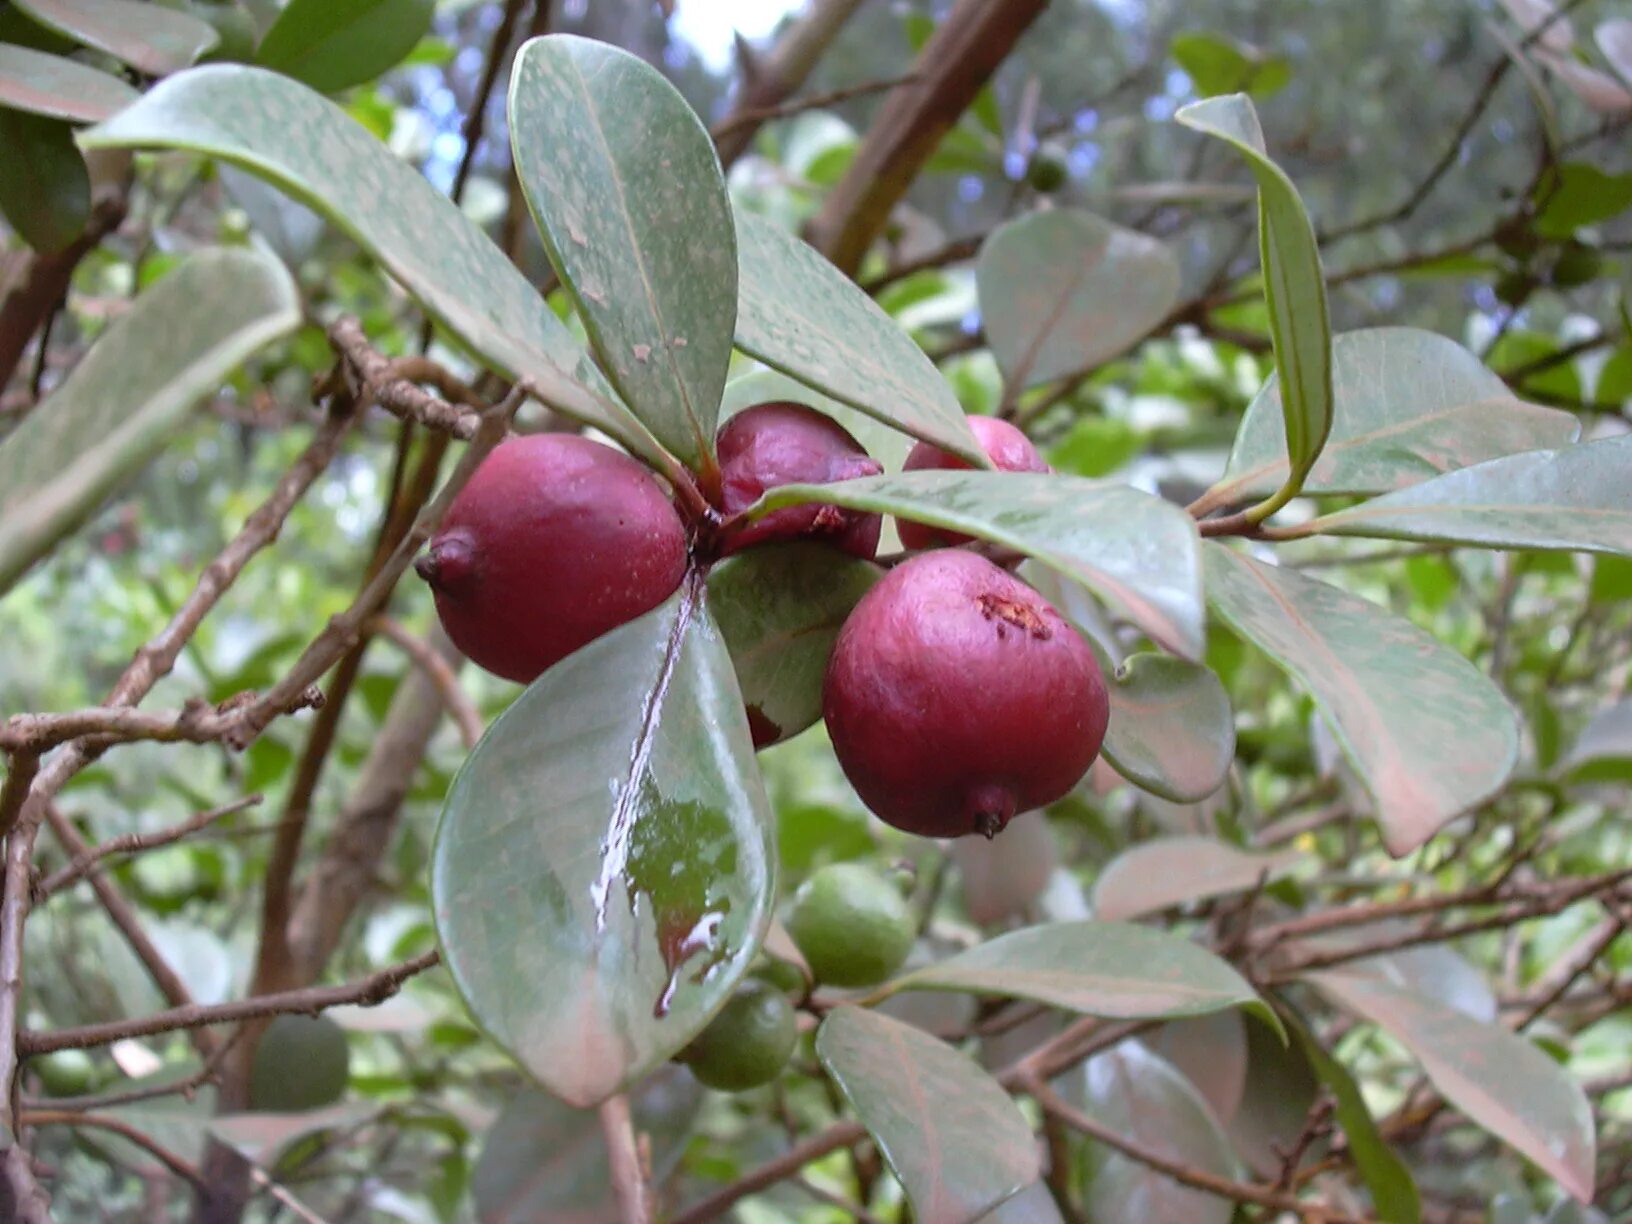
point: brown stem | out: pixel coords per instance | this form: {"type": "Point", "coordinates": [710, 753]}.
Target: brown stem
{"type": "Point", "coordinates": [839, 1135]}
{"type": "Point", "coordinates": [136, 843]}
{"type": "Point", "coordinates": [33, 295]}
{"type": "Point", "coordinates": [774, 78]}
{"type": "Point", "coordinates": [434, 663]}
{"type": "Point", "coordinates": [628, 1179]}
{"type": "Point", "coordinates": [956, 62]}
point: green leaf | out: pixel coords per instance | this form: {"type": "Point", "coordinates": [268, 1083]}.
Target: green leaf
{"type": "Point", "coordinates": [1111, 969]}
{"type": "Point", "coordinates": [1171, 731]}
{"type": "Point", "coordinates": [1135, 550]}
{"type": "Point", "coordinates": [627, 193]}
{"type": "Point", "coordinates": [604, 867]}
{"type": "Point", "coordinates": [1095, 446]}
{"type": "Point", "coordinates": [123, 401]}
{"type": "Point", "coordinates": [544, 1160]}
{"type": "Point", "coordinates": [1577, 194]}
{"type": "Point", "coordinates": [1573, 499]}
{"type": "Point", "coordinates": [45, 188]}
{"type": "Point", "coordinates": [1168, 871]}
{"type": "Point", "coordinates": [148, 37]}
{"type": "Point", "coordinates": [1603, 750]}
{"type": "Point", "coordinates": [60, 88]}
{"type": "Point", "coordinates": [799, 314]}
{"type": "Point", "coordinates": [1393, 1192]}
{"type": "Point", "coordinates": [1063, 291]}
{"type": "Point", "coordinates": [1409, 405]}
{"type": "Point", "coordinates": [1501, 1081]}
{"type": "Point", "coordinates": [1428, 732]}
{"type": "Point", "coordinates": [779, 608]}
{"type": "Point", "coordinates": [244, 115]}
{"type": "Point", "coordinates": [1218, 65]}
{"type": "Point", "coordinates": [334, 44]}
{"type": "Point", "coordinates": [1140, 1096]}
{"type": "Point", "coordinates": [1294, 287]}
{"type": "Point", "coordinates": [955, 1140]}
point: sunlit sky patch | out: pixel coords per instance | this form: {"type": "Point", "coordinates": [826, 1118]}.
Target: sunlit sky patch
{"type": "Point", "coordinates": [707, 25]}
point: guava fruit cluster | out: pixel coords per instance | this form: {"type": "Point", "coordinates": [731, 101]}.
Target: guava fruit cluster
{"type": "Point", "coordinates": [956, 696]}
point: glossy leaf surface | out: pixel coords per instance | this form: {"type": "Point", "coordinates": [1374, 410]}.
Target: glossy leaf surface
{"type": "Point", "coordinates": [799, 314]}
{"type": "Point", "coordinates": [1063, 291]}
{"type": "Point", "coordinates": [626, 189]}
{"type": "Point", "coordinates": [333, 44]}
{"type": "Point", "coordinates": [1407, 406]}
{"type": "Point", "coordinates": [244, 115]}
{"type": "Point", "coordinates": [605, 864]}
{"type": "Point", "coordinates": [954, 1138]}
{"type": "Point", "coordinates": [1429, 733]}
{"type": "Point", "coordinates": [122, 403]}
{"type": "Point", "coordinates": [1135, 550]}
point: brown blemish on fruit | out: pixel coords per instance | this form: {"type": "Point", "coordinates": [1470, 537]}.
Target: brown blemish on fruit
{"type": "Point", "coordinates": [1003, 610]}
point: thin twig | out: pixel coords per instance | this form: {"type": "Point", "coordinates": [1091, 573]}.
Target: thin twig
{"type": "Point", "coordinates": [1186, 1175]}
{"type": "Point", "coordinates": [136, 843]}
{"type": "Point", "coordinates": [436, 668]}
{"type": "Point", "coordinates": [365, 992]}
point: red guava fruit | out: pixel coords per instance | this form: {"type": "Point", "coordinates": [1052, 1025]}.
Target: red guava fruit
{"type": "Point", "coordinates": [957, 696]}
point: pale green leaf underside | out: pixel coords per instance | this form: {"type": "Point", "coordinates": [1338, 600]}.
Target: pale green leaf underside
{"type": "Point", "coordinates": [627, 192]}
{"type": "Point", "coordinates": [1577, 498]}
{"type": "Point", "coordinates": [1137, 551]}
{"type": "Point", "coordinates": [122, 403]}
{"type": "Point", "coordinates": [1063, 291]}
{"type": "Point", "coordinates": [1111, 969]}
{"type": "Point", "coordinates": [1408, 405]}
{"type": "Point", "coordinates": [245, 115]}
{"type": "Point", "coordinates": [604, 867]}
{"type": "Point", "coordinates": [1428, 732]}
